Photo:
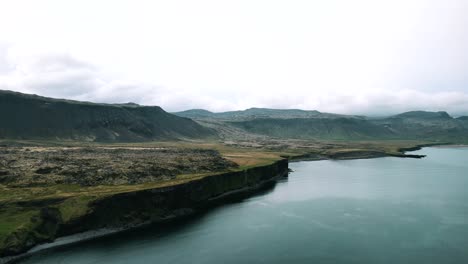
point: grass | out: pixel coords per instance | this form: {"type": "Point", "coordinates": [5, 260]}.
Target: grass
{"type": "Point", "coordinates": [13, 218]}
{"type": "Point", "coordinates": [74, 207]}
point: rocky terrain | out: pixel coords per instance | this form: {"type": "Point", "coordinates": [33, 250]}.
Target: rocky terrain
{"type": "Point", "coordinates": [87, 166]}
{"type": "Point", "coordinates": [53, 191]}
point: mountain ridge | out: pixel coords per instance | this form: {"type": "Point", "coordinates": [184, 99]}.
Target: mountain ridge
{"type": "Point", "coordinates": [25, 116]}
{"type": "Point", "coordinates": [256, 112]}
{"type": "Point", "coordinates": [303, 124]}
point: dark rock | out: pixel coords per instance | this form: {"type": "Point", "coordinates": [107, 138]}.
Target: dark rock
{"type": "Point", "coordinates": [45, 170]}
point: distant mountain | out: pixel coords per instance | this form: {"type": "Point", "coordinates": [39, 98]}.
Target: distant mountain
{"type": "Point", "coordinates": [316, 128]}
{"type": "Point", "coordinates": [301, 124]}
{"type": "Point", "coordinates": [425, 125]}
{"type": "Point", "coordinates": [463, 120]}
{"type": "Point", "coordinates": [195, 113]}
{"type": "Point", "coordinates": [255, 113]}
{"type": "Point", "coordinates": [24, 116]}
{"type": "Point", "coordinates": [424, 115]}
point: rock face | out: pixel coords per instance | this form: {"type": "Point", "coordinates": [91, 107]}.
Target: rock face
{"type": "Point", "coordinates": [25, 116]}
{"type": "Point", "coordinates": [138, 207]}
{"type": "Point", "coordinates": [163, 203]}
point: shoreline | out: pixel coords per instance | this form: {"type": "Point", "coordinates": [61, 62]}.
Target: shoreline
{"type": "Point", "coordinates": [365, 154]}
{"type": "Point", "coordinates": [211, 202]}
{"type": "Point", "coordinates": [452, 146]}
{"type": "Point", "coordinates": [77, 238]}
{"type": "Point", "coordinates": [401, 154]}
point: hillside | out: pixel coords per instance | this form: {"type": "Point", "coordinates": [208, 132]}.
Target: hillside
{"type": "Point", "coordinates": [255, 113]}
{"type": "Point", "coordinates": [464, 121]}
{"type": "Point", "coordinates": [425, 125]}
{"type": "Point", "coordinates": [316, 128]}
{"type": "Point", "coordinates": [301, 124]}
{"type": "Point", "coordinates": [25, 116]}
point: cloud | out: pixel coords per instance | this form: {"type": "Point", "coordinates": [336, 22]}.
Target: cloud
{"type": "Point", "coordinates": [61, 75]}
{"type": "Point", "coordinates": [354, 57]}
{"type": "Point", "coordinates": [64, 76]}
{"type": "Point", "coordinates": [57, 75]}
{"type": "Point", "coordinates": [5, 65]}
{"type": "Point", "coordinates": [376, 102]}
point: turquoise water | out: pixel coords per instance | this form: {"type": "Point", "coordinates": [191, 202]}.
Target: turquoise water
{"type": "Point", "coordinates": [386, 210]}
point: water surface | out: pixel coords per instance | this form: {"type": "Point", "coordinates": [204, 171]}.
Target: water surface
{"type": "Point", "coordinates": [386, 210]}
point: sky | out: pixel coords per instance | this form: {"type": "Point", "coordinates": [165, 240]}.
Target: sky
{"type": "Point", "coordinates": [352, 57]}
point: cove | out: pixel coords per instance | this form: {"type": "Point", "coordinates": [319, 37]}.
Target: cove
{"type": "Point", "coordinates": [384, 210]}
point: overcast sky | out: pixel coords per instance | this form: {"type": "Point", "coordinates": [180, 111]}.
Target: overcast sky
{"type": "Point", "coordinates": [356, 57]}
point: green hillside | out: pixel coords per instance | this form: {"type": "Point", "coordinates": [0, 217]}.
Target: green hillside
{"type": "Point", "coordinates": [316, 128]}
{"type": "Point", "coordinates": [301, 124]}
{"type": "Point", "coordinates": [33, 117]}
{"type": "Point", "coordinates": [425, 125]}
{"type": "Point", "coordinates": [255, 113]}
{"type": "Point", "coordinates": [464, 121]}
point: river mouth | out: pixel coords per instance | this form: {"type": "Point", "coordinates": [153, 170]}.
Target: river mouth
{"type": "Point", "coordinates": [385, 210]}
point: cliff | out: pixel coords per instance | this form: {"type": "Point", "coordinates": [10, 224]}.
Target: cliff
{"type": "Point", "coordinates": [130, 209]}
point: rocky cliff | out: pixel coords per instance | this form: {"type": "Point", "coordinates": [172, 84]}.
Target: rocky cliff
{"type": "Point", "coordinates": [130, 209]}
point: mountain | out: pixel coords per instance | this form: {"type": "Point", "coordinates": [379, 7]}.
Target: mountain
{"type": "Point", "coordinates": [463, 120]}
{"type": "Point", "coordinates": [195, 113]}
{"type": "Point", "coordinates": [24, 116]}
{"type": "Point", "coordinates": [425, 125]}
{"type": "Point", "coordinates": [255, 113]}
{"type": "Point", "coordinates": [301, 124]}
{"type": "Point", "coordinates": [424, 115]}
{"type": "Point", "coordinates": [315, 128]}
{"type": "Point", "coordinates": [416, 125]}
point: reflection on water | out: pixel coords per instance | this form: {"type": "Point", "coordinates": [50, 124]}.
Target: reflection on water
{"type": "Point", "coordinates": [386, 210]}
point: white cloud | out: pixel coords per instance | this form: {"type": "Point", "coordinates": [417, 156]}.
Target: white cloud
{"type": "Point", "coordinates": [63, 76]}
{"type": "Point", "coordinates": [364, 56]}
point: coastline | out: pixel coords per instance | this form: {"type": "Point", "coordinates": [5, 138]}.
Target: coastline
{"type": "Point", "coordinates": [174, 215]}
{"type": "Point", "coordinates": [212, 201]}
{"type": "Point", "coordinates": [364, 154]}
{"type": "Point", "coordinates": [452, 146]}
